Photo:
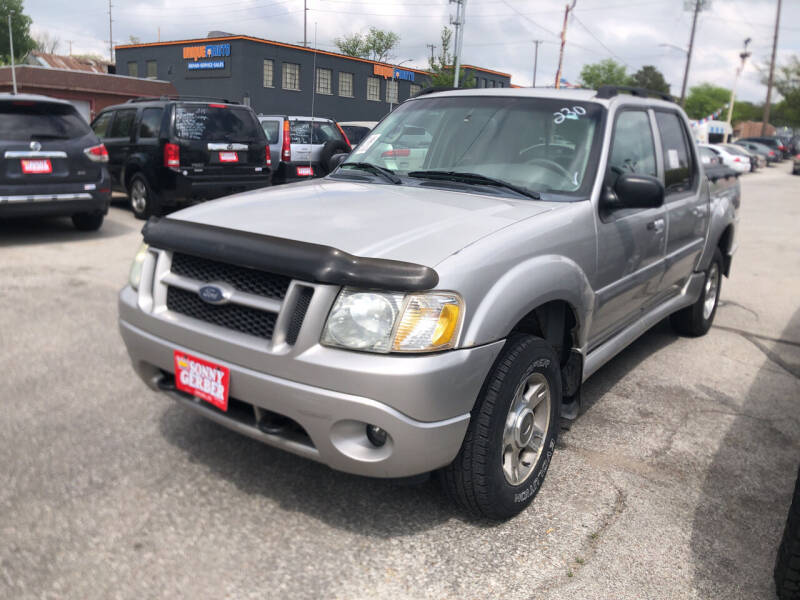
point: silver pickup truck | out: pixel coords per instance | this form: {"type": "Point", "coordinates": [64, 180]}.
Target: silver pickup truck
{"type": "Point", "coordinates": [436, 302]}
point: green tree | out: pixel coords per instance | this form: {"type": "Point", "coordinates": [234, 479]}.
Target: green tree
{"type": "Point", "coordinates": [20, 29]}
{"type": "Point", "coordinates": [376, 44]}
{"type": "Point", "coordinates": [705, 99]}
{"type": "Point", "coordinates": [605, 72]}
{"type": "Point", "coordinates": [650, 78]}
{"type": "Point", "coordinates": [746, 111]}
{"type": "Point", "coordinates": [442, 68]}
{"type": "Point", "coordinates": [787, 82]}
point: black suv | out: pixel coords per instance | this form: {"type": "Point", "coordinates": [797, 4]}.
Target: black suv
{"type": "Point", "coordinates": [51, 164]}
{"type": "Point", "coordinates": [773, 142]}
{"type": "Point", "coordinates": [164, 152]}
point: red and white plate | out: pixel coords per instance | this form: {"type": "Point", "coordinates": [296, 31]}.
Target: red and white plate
{"type": "Point", "coordinates": [228, 157]}
{"type": "Point", "coordinates": [305, 171]}
{"type": "Point", "coordinates": [203, 379]}
{"type": "Point", "coordinates": [36, 166]}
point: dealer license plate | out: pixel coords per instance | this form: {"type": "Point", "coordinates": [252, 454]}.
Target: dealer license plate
{"type": "Point", "coordinates": [39, 165]}
{"type": "Point", "coordinates": [228, 157]}
{"type": "Point", "coordinates": [203, 379]}
{"type": "Point", "coordinates": [305, 172]}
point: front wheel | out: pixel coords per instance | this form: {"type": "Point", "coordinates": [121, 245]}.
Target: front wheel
{"type": "Point", "coordinates": [512, 433]}
{"type": "Point", "coordinates": [696, 320]}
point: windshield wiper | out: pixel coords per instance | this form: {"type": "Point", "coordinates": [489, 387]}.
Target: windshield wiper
{"type": "Point", "coordinates": [378, 170]}
{"type": "Point", "coordinates": [474, 178]}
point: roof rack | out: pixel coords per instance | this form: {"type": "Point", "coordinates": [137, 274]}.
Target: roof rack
{"type": "Point", "coordinates": [196, 98]}
{"type": "Point", "coordinates": [609, 91]}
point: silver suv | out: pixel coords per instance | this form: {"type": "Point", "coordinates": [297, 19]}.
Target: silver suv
{"type": "Point", "coordinates": [436, 302]}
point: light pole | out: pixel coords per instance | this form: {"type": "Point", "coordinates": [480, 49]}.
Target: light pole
{"type": "Point", "coordinates": [394, 69]}
{"type": "Point", "coordinates": [743, 55]}
{"type": "Point", "coordinates": [13, 67]}
{"type": "Point", "coordinates": [535, 59]}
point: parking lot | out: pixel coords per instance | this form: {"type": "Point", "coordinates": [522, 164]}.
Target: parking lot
{"type": "Point", "coordinates": [673, 483]}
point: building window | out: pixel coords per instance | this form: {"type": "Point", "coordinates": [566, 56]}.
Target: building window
{"type": "Point", "coordinates": [269, 68]}
{"type": "Point", "coordinates": [291, 76]}
{"type": "Point", "coordinates": [481, 82]}
{"type": "Point", "coordinates": [133, 69]}
{"type": "Point", "coordinates": [346, 85]}
{"type": "Point", "coordinates": [151, 67]}
{"type": "Point", "coordinates": [414, 89]}
{"type": "Point", "coordinates": [391, 91]}
{"type": "Point", "coordinates": [374, 88]}
{"type": "Point", "coordinates": [324, 81]}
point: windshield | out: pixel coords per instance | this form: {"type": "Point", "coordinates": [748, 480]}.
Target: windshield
{"type": "Point", "coordinates": [216, 123]}
{"type": "Point", "coordinates": [538, 145]}
{"type": "Point", "coordinates": [24, 120]}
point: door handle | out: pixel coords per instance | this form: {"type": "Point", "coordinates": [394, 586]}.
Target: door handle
{"type": "Point", "coordinates": [656, 226]}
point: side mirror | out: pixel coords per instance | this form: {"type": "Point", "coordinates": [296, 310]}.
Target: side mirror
{"type": "Point", "coordinates": [336, 160]}
{"type": "Point", "coordinates": [633, 190]}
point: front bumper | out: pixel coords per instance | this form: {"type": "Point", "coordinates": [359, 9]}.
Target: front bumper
{"type": "Point", "coordinates": [333, 417]}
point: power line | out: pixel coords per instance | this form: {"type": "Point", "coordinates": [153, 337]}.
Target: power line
{"type": "Point", "coordinates": [599, 41]}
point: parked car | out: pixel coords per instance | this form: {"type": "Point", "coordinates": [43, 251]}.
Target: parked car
{"type": "Point", "coordinates": [771, 156]}
{"type": "Point", "coordinates": [356, 131]}
{"type": "Point", "coordinates": [757, 161]}
{"type": "Point", "coordinates": [737, 162]}
{"type": "Point", "coordinates": [301, 147]}
{"type": "Point", "coordinates": [787, 563]}
{"type": "Point", "coordinates": [52, 163]}
{"type": "Point", "coordinates": [167, 152]}
{"type": "Point", "coordinates": [772, 142]}
{"type": "Point", "coordinates": [392, 322]}
{"type": "Point", "coordinates": [796, 164]}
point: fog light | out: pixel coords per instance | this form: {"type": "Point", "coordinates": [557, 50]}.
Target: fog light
{"type": "Point", "coordinates": [376, 435]}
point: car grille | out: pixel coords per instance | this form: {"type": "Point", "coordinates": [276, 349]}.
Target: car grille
{"type": "Point", "coordinates": [248, 320]}
{"type": "Point", "coordinates": [243, 279]}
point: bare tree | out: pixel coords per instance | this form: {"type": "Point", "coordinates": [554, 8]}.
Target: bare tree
{"type": "Point", "coordinates": [46, 43]}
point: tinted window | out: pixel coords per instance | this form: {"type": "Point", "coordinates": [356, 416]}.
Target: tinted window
{"type": "Point", "coordinates": [122, 126]}
{"type": "Point", "coordinates": [355, 133]}
{"type": "Point", "coordinates": [23, 120]}
{"type": "Point", "coordinates": [151, 123]}
{"type": "Point", "coordinates": [302, 132]}
{"type": "Point", "coordinates": [677, 157]}
{"type": "Point", "coordinates": [272, 129]}
{"type": "Point", "coordinates": [100, 125]}
{"type": "Point", "coordinates": [216, 123]}
{"type": "Point", "coordinates": [633, 148]}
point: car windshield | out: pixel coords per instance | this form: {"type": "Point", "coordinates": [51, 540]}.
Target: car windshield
{"type": "Point", "coordinates": [216, 123]}
{"type": "Point", "coordinates": [535, 144]}
{"type": "Point", "coordinates": [22, 120]}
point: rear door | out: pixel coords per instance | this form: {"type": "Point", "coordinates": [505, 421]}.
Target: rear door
{"type": "Point", "coordinates": [219, 139]}
{"type": "Point", "coordinates": [118, 141]}
{"type": "Point", "coordinates": [300, 136]}
{"type": "Point", "coordinates": [147, 147]}
{"type": "Point", "coordinates": [685, 201]}
{"type": "Point", "coordinates": [44, 143]}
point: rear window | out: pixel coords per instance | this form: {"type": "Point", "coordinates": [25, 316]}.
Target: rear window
{"type": "Point", "coordinates": [212, 123]}
{"type": "Point", "coordinates": [24, 121]}
{"type": "Point", "coordinates": [308, 132]}
{"type": "Point", "coordinates": [272, 130]}
{"type": "Point", "coordinates": [356, 133]}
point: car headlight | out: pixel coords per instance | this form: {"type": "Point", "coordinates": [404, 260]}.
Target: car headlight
{"type": "Point", "coordinates": [393, 322]}
{"type": "Point", "coordinates": [135, 275]}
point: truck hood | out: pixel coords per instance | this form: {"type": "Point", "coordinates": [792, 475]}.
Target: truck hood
{"type": "Point", "coordinates": [422, 225]}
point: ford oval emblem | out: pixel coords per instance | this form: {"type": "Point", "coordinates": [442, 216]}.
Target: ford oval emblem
{"type": "Point", "coordinates": [214, 294]}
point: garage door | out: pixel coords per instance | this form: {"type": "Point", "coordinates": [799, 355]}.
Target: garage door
{"type": "Point", "coordinates": [84, 107]}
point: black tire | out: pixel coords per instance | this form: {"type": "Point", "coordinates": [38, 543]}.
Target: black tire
{"type": "Point", "coordinates": [787, 565]}
{"type": "Point", "coordinates": [330, 148]}
{"type": "Point", "coordinates": [691, 320]}
{"type": "Point", "coordinates": [475, 480]}
{"type": "Point", "coordinates": [88, 221]}
{"type": "Point", "coordinates": [144, 206]}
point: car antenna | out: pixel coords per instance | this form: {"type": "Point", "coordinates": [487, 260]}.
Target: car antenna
{"type": "Point", "coordinates": [313, 95]}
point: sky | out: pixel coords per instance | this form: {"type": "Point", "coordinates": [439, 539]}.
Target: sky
{"type": "Point", "coordinates": [498, 34]}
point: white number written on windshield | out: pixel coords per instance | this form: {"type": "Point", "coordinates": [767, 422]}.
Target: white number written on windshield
{"type": "Point", "coordinates": [568, 113]}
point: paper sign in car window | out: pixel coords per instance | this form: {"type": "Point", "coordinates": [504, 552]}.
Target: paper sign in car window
{"type": "Point", "coordinates": [672, 159]}
{"type": "Point", "coordinates": [365, 145]}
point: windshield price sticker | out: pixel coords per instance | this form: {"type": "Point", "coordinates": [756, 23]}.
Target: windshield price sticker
{"type": "Point", "coordinates": [203, 379]}
{"type": "Point", "coordinates": [565, 113]}
{"type": "Point", "coordinates": [366, 144]}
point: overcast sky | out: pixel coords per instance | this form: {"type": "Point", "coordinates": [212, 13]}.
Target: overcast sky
{"type": "Point", "coordinates": [498, 36]}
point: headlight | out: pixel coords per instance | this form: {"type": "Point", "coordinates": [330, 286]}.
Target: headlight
{"type": "Point", "coordinates": [136, 268]}
{"type": "Point", "coordinates": [393, 322]}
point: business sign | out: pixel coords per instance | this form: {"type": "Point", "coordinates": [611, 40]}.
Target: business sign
{"type": "Point", "coordinates": [392, 73]}
{"type": "Point", "coordinates": [208, 60]}
{"type": "Point", "coordinates": [207, 51]}
{"type": "Point", "coordinates": [206, 64]}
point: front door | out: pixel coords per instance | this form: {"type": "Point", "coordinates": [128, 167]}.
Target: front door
{"type": "Point", "coordinates": [630, 241]}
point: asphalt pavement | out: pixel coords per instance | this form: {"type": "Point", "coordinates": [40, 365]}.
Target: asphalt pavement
{"type": "Point", "coordinates": [674, 482]}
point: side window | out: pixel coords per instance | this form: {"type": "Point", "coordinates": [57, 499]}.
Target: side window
{"type": "Point", "coordinates": [122, 127]}
{"type": "Point", "coordinates": [151, 123]}
{"type": "Point", "coordinates": [678, 167]}
{"type": "Point", "coordinates": [272, 130]}
{"type": "Point", "coordinates": [100, 125]}
{"type": "Point", "coordinates": [632, 146]}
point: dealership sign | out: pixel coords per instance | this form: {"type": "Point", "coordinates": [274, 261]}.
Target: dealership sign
{"type": "Point", "coordinates": [207, 51]}
{"type": "Point", "coordinates": [393, 73]}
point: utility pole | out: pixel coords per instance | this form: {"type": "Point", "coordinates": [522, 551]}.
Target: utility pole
{"type": "Point", "coordinates": [70, 47]}
{"type": "Point", "coordinates": [305, 23]}
{"type": "Point", "coordinates": [432, 47]}
{"type": "Point", "coordinates": [567, 10]}
{"type": "Point", "coordinates": [110, 36]}
{"type": "Point", "coordinates": [697, 6]}
{"type": "Point", "coordinates": [458, 23]}
{"type": "Point", "coordinates": [765, 119]}
{"type": "Point", "coordinates": [13, 66]}
{"type": "Point", "coordinates": [535, 59]}
{"type": "Point", "coordinates": [743, 55]}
